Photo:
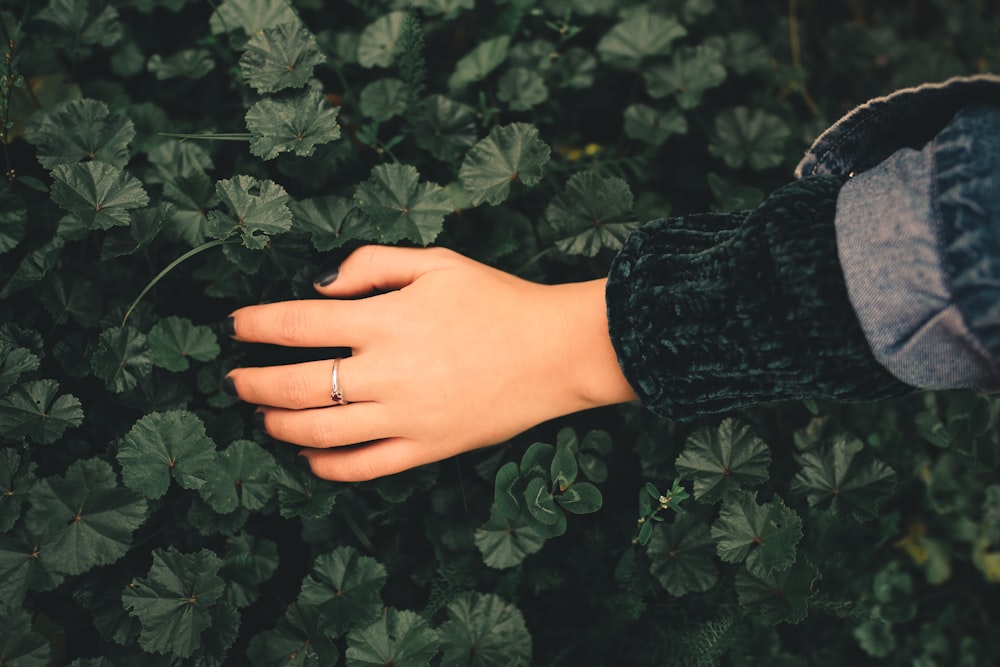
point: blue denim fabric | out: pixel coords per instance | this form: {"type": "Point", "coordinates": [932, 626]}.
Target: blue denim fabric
{"type": "Point", "coordinates": [917, 228]}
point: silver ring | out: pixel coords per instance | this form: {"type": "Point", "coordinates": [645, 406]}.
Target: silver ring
{"type": "Point", "coordinates": [336, 391]}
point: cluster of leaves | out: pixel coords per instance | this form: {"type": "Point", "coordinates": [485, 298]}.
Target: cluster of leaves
{"type": "Point", "coordinates": [167, 162]}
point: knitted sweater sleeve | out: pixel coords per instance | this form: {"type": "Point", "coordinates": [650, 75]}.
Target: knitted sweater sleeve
{"type": "Point", "coordinates": [714, 312]}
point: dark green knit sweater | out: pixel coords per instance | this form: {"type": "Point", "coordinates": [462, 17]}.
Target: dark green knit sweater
{"type": "Point", "coordinates": [714, 312]}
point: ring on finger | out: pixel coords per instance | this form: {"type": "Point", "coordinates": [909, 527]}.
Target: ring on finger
{"type": "Point", "coordinates": [336, 390]}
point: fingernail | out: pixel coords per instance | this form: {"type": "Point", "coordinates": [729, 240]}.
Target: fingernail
{"type": "Point", "coordinates": [229, 386]}
{"type": "Point", "coordinates": [326, 277]}
{"type": "Point", "coordinates": [257, 420]}
{"type": "Point", "coordinates": [229, 326]}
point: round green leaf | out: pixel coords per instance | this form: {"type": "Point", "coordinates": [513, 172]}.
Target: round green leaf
{"type": "Point", "coordinates": [446, 128]}
{"type": "Point", "coordinates": [383, 99]}
{"type": "Point", "coordinates": [36, 411]}
{"type": "Point", "coordinates": [17, 478]}
{"type": "Point", "coordinates": [299, 640]}
{"type": "Point", "coordinates": [539, 501]}
{"type": "Point", "coordinates": [14, 361]}
{"type": "Point", "coordinates": [755, 138]}
{"type": "Point", "coordinates": [122, 358]}
{"type": "Point", "coordinates": [652, 126]}
{"type": "Point", "coordinates": [240, 476]}
{"type": "Point", "coordinates": [20, 645]}
{"type": "Point", "coordinates": [581, 498]}
{"type": "Point", "coordinates": [400, 207]}
{"type": "Point", "coordinates": [257, 211]}
{"type": "Point", "coordinates": [247, 563]}
{"type": "Point", "coordinates": [175, 340]}
{"type": "Point", "coordinates": [84, 518]}
{"type": "Point", "coordinates": [280, 57]}
{"type": "Point", "coordinates": [302, 494]}
{"type": "Point", "coordinates": [779, 597]}
{"type": "Point", "coordinates": [845, 477]}
{"type": "Point", "coordinates": [484, 631]}
{"type": "Point", "coordinates": [723, 459]}
{"type": "Point", "coordinates": [478, 63]}
{"type": "Point", "coordinates": [505, 543]}
{"type": "Point", "coordinates": [80, 130]}
{"type": "Point", "coordinates": [165, 444]}
{"type": "Point", "coordinates": [644, 34]}
{"type": "Point", "coordinates": [681, 556]}
{"type": "Point", "coordinates": [522, 88]}
{"type": "Point", "coordinates": [99, 194]}
{"type": "Point", "coordinates": [692, 71]}
{"type": "Point", "coordinates": [174, 601]}
{"type": "Point", "coordinates": [507, 494]}
{"type": "Point", "coordinates": [764, 535]}
{"type": "Point", "coordinates": [294, 125]}
{"type": "Point", "coordinates": [378, 42]}
{"type": "Point", "coordinates": [328, 220]}
{"type": "Point", "coordinates": [251, 16]}
{"type": "Point", "coordinates": [185, 64]}
{"type": "Point", "coordinates": [345, 586]}
{"type": "Point", "coordinates": [399, 638]}
{"type": "Point", "coordinates": [510, 154]}
{"type": "Point", "coordinates": [593, 213]}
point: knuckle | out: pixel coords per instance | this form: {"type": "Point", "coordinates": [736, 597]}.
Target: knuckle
{"type": "Point", "coordinates": [293, 325]}
{"type": "Point", "coordinates": [322, 434]}
{"type": "Point", "coordinates": [295, 390]}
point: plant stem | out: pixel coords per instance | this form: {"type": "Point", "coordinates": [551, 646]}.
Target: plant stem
{"type": "Point", "coordinates": [170, 267]}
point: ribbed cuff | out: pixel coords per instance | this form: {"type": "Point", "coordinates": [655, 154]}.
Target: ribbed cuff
{"type": "Point", "coordinates": [714, 312]}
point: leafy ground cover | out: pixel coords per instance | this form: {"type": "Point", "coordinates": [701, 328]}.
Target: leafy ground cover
{"type": "Point", "coordinates": [218, 154]}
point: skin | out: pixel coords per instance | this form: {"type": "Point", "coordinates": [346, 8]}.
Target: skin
{"type": "Point", "coordinates": [450, 356]}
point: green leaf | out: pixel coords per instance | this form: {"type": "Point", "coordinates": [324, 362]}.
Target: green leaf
{"type": "Point", "coordinates": [400, 207]}
{"type": "Point", "coordinates": [594, 212]}
{"type": "Point", "coordinates": [14, 361]}
{"type": "Point", "coordinates": [522, 88]}
{"type": "Point", "coordinates": [537, 460]}
{"type": "Point", "coordinates": [507, 491]}
{"type": "Point", "coordinates": [445, 127]}
{"type": "Point", "coordinates": [23, 567]}
{"type": "Point", "coordinates": [680, 556]}
{"type": "Point", "coordinates": [564, 468]}
{"type": "Point", "coordinates": [165, 444]}
{"type": "Point", "coordinates": [377, 46]}
{"type": "Point", "coordinates": [84, 22]}
{"type": "Point", "coordinates": [122, 358]}
{"type": "Point", "coordinates": [484, 631]}
{"type": "Point", "coordinates": [146, 225]}
{"type": "Point", "coordinates": [755, 138]}
{"type": "Point", "coordinates": [652, 126]}
{"type": "Point", "coordinates": [246, 564]}
{"type": "Point", "coordinates": [280, 57]}
{"type": "Point", "coordinates": [845, 477]}
{"type": "Point", "coordinates": [296, 125]}
{"type": "Point", "coordinates": [20, 645]}
{"type": "Point", "coordinates": [174, 601]}
{"type": "Point", "coordinates": [478, 63]}
{"type": "Point", "coordinates": [510, 154]}
{"type": "Point", "coordinates": [779, 597]}
{"type": "Point", "coordinates": [382, 99]}
{"type": "Point", "coordinates": [99, 194]}
{"type": "Point", "coordinates": [327, 219]}
{"type": "Point", "coordinates": [33, 267]}
{"type": "Point", "coordinates": [692, 71]}
{"type": "Point", "coordinates": [84, 518]}
{"type": "Point", "coordinates": [505, 543]}
{"type": "Point", "coordinates": [764, 535]}
{"type": "Point", "coordinates": [642, 35]}
{"type": "Point", "coordinates": [185, 64]}
{"type": "Point", "coordinates": [302, 494]}
{"type": "Point", "coordinates": [345, 586]}
{"type": "Point", "coordinates": [257, 211]}
{"type": "Point", "coordinates": [175, 340]}
{"type": "Point", "coordinates": [13, 218]}
{"type": "Point", "coordinates": [719, 461]}
{"type": "Point", "coordinates": [539, 502]}
{"type": "Point", "coordinates": [191, 196]}
{"type": "Point", "coordinates": [239, 477]}
{"type": "Point", "coordinates": [17, 478]}
{"type": "Point", "coordinates": [174, 158]}
{"type": "Point", "coordinates": [251, 16]}
{"type": "Point", "coordinates": [396, 638]}
{"type": "Point", "coordinates": [36, 411]}
{"type": "Point", "coordinates": [581, 498]}
{"type": "Point", "coordinates": [78, 131]}
{"type": "Point", "coordinates": [299, 640]}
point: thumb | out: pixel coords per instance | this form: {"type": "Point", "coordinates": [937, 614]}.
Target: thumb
{"type": "Point", "coordinates": [376, 268]}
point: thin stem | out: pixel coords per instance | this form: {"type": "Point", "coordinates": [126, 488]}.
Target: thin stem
{"type": "Point", "coordinates": [170, 267]}
{"type": "Point", "coordinates": [218, 136]}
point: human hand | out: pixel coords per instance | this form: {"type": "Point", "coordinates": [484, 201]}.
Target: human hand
{"type": "Point", "coordinates": [456, 356]}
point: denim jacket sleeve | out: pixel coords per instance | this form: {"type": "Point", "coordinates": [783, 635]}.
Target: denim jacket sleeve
{"type": "Point", "coordinates": [876, 272]}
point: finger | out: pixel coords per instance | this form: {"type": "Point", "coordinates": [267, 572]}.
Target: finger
{"type": "Point", "coordinates": [328, 427]}
{"type": "Point", "coordinates": [305, 323]}
{"type": "Point", "coordinates": [371, 460]}
{"type": "Point", "coordinates": [378, 268]}
{"type": "Point", "coordinates": [300, 386]}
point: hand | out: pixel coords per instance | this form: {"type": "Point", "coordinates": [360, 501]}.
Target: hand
{"type": "Point", "coordinates": [455, 356]}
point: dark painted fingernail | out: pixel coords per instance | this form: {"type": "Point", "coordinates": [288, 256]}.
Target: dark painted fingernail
{"type": "Point", "coordinates": [229, 326]}
{"type": "Point", "coordinates": [258, 421]}
{"type": "Point", "coordinates": [229, 386]}
{"type": "Point", "coordinates": [326, 277]}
